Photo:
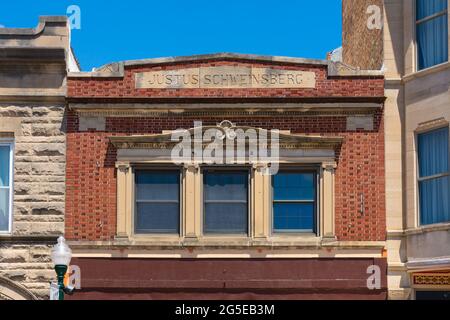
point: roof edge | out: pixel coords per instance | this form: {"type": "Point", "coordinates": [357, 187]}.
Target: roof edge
{"type": "Point", "coordinates": [224, 56]}
{"type": "Point", "coordinates": [43, 21]}
{"type": "Point", "coordinates": [116, 69]}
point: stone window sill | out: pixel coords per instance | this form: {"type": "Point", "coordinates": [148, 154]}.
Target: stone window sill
{"type": "Point", "coordinates": [430, 228]}
{"type": "Point", "coordinates": [425, 72]}
{"type": "Point", "coordinates": [307, 242]}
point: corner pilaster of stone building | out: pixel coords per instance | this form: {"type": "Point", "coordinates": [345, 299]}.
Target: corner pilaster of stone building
{"type": "Point", "coordinates": [33, 68]}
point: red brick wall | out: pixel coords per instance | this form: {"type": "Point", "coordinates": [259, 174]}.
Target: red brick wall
{"type": "Point", "coordinates": [91, 183]}
{"type": "Point", "coordinates": [91, 179]}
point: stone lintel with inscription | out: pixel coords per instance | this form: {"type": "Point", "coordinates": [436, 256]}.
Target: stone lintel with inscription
{"type": "Point", "coordinates": [225, 77]}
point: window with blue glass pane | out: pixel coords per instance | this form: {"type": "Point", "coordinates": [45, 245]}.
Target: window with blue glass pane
{"type": "Point", "coordinates": [434, 178]}
{"type": "Point", "coordinates": [294, 202]}
{"type": "Point", "coordinates": [431, 32]}
{"type": "Point", "coordinates": [157, 202]}
{"type": "Point", "coordinates": [5, 187]}
{"type": "Point", "coordinates": [225, 196]}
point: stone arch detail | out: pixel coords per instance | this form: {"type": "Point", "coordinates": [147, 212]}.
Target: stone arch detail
{"type": "Point", "coordinates": [10, 290]}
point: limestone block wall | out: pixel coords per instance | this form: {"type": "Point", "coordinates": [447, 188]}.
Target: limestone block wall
{"type": "Point", "coordinates": [39, 193]}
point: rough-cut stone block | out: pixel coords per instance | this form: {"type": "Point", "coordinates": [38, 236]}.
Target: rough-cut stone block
{"type": "Point", "coordinates": [23, 149]}
{"type": "Point", "coordinates": [38, 228]}
{"type": "Point", "coordinates": [49, 149]}
{"type": "Point", "coordinates": [40, 139]}
{"type": "Point", "coordinates": [14, 275]}
{"type": "Point", "coordinates": [46, 130]}
{"type": "Point", "coordinates": [21, 209]}
{"type": "Point", "coordinates": [40, 275]}
{"type": "Point", "coordinates": [47, 169]}
{"type": "Point", "coordinates": [13, 256]}
{"type": "Point", "coordinates": [35, 188]}
{"type": "Point", "coordinates": [38, 218]}
{"type": "Point", "coordinates": [22, 168]}
{"type": "Point", "coordinates": [48, 111]}
{"type": "Point", "coordinates": [27, 265]}
{"type": "Point", "coordinates": [15, 111]}
{"type": "Point", "coordinates": [47, 209]}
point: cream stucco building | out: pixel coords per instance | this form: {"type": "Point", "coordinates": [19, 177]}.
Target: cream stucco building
{"type": "Point", "coordinates": [417, 115]}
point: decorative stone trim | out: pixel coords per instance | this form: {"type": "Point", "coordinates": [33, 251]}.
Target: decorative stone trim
{"type": "Point", "coordinates": [419, 230]}
{"type": "Point", "coordinates": [334, 68]}
{"type": "Point", "coordinates": [430, 264]}
{"type": "Point", "coordinates": [286, 141]}
{"type": "Point", "coordinates": [97, 123]}
{"type": "Point", "coordinates": [10, 290]}
{"type": "Point", "coordinates": [423, 73]}
{"type": "Point", "coordinates": [305, 243]}
{"type": "Point", "coordinates": [224, 109]}
{"type": "Point", "coordinates": [8, 135]}
{"type": "Point", "coordinates": [327, 201]}
{"type": "Point", "coordinates": [360, 123]}
{"type": "Point", "coordinates": [44, 21]}
{"type": "Point", "coordinates": [431, 125]}
{"type": "Point", "coordinates": [431, 280]}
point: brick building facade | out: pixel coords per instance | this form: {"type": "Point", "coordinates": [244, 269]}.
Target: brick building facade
{"type": "Point", "coordinates": [142, 226]}
{"type": "Point", "coordinates": [119, 122]}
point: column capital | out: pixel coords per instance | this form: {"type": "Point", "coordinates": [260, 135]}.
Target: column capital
{"type": "Point", "coordinates": [260, 166]}
{"type": "Point", "coordinates": [123, 166]}
{"type": "Point", "coordinates": [329, 166]}
{"type": "Point", "coordinates": [191, 166]}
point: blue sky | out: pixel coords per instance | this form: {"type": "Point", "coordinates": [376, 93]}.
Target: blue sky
{"type": "Point", "coordinates": [135, 29]}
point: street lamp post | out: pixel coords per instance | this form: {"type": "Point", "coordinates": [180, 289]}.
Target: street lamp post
{"type": "Point", "coordinates": [61, 256]}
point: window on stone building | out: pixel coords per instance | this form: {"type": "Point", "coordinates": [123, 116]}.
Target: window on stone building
{"type": "Point", "coordinates": [225, 197]}
{"type": "Point", "coordinates": [294, 202]}
{"type": "Point", "coordinates": [431, 32]}
{"type": "Point", "coordinates": [157, 202]}
{"type": "Point", "coordinates": [434, 176]}
{"type": "Point", "coordinates": [6, 182]}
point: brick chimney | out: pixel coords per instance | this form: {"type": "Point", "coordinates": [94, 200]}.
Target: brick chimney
{"type": "Point", "coordinates": [362, 33]}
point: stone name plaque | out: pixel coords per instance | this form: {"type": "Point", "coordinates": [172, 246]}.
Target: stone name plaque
{"type": "Point", "coordinates": [226, 77]}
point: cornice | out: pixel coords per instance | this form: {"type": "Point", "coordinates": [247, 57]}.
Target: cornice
{"type": "Point", "coordinates": [38, 99]}
{"type": "Point", "coordinates": [232, 109]}
{"type": "Point", "coordinates": [186, 100]}
{"type": "Point", "coordinates": [43, 22]}
{"type": "Point", "coordinates": [336, 69]}
{"type": "Point", "coordinates": [164, 141]}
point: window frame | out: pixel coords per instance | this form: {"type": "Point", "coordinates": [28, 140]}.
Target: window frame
{"type": "Point", "coordinates": [9, 143]}
{"type": "Point", "coordinates": [421, 179]}
{"type": "Point", "coordinates": [231, 168]}
{"type": "Point", "coordinates": [424, 20]}
{"type": "Point", "coordinates": [316, 229]}
{"type": "Point", "coordinates": [180, 201]}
